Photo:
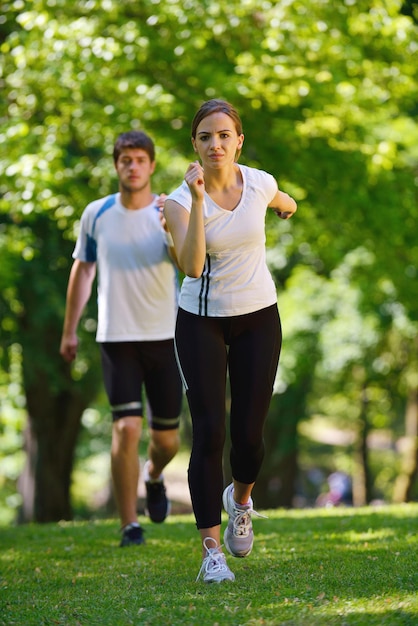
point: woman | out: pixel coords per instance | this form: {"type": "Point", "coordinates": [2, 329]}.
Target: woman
{"type": "Point", "coordinates": [227, 321]}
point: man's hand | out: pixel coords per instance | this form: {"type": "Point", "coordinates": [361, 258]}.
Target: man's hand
{"type": "Point", "coordinates": [68, 347]}
{"type": "Point", "coordinates": [160, 204]}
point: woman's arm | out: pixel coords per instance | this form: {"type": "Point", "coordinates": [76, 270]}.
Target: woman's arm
{"type": "Point", "coordinates": [283, 205]}
{"type": "Point", "coordinates": [188, 237]}
{"type": "Point", "coordinates": [188, 229]}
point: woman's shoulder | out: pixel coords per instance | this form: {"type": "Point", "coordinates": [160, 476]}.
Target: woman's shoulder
{"type": "Point", "coordinates": [181, 195]}
{"type": "Point", "coordinates": [264, 184]}
{"type": "Point", "coordinates": [253, 173]}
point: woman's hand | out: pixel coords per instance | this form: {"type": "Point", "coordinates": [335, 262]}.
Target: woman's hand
{"type": "Point", "coordinates": [195, 179]}
{"type": "Point", "coordinates": [284, 215]}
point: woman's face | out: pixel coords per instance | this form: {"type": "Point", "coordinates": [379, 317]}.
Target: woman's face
{"type": "Point", "coordinates": [217, 140]}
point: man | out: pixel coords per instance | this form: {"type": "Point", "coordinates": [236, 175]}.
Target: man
{"type": "Point", "coordinates": [124, 236]}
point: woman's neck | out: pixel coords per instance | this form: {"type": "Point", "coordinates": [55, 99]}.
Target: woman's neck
{"type": "Point", "coordinates": [223, 180]}
{"type": "Point", "coordinates": [225, 190]}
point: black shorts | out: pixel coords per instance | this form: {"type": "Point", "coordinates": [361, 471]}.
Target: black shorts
{"type": "Point", "coordinates": [129, 366]}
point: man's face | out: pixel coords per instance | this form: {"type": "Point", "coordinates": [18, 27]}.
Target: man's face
{"type": "Point", "coordinates": [134, 169]}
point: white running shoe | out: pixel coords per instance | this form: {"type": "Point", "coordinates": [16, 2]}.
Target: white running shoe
{"type": "Point", "coordinates": [238, 535]}
{"type": "Point", "coordinates": [214, 566]}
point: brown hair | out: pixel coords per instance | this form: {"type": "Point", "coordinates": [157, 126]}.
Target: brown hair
{"type": "Point", "coordinates": [217, 106]}
{"type": "Point", "coordinates": [134, 139]}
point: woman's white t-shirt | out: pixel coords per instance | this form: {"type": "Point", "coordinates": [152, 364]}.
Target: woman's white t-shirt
{"type": "Point", "coordinates": [235, 279]}
{"type": "Point", "coordinates": [137, 283]}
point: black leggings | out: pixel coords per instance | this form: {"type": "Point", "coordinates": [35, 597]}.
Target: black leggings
{"type": "Point", "coordinates": [248, 347]}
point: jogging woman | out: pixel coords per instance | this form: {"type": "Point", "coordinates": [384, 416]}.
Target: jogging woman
{"type": "Point", "coordinates": [227, 322]}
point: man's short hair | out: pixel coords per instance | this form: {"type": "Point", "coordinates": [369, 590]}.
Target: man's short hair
{"type": "Point", "coordinates": [134, 139]}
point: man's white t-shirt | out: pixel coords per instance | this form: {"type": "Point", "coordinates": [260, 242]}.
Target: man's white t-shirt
{"type": "Point", "coordinates": [235, 278]}
{"type": "Point", "coordinates": [136, 280]}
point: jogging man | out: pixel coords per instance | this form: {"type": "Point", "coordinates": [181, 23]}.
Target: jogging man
{"type": "Point", "coordinates": [123, 236]}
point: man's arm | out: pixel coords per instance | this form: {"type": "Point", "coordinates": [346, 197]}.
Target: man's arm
{"type": "Point", "coordinates": [78, 293]}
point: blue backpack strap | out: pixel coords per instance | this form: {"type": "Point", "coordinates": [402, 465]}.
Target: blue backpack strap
{"type": "Point", "coordinates": [91, 244]}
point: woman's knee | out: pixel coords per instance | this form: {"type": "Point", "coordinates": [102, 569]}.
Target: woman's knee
{"type": "Point", "coordinates": [209, 439]}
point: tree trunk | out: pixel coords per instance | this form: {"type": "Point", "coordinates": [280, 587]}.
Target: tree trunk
{"type": "Point", "coordinates": [361, 479]}
{"type": "Point", "coordinates": [54, 421]}
{"type": "Point", "coordinates": [276, 487]}
{"type": "Point", "coordinates": [406, 480]}
{"type": "Point", "coordinates": [276, 483]}
{"type": "Point", "coordinates": [26, 481]}
{"type": "Point", "coordinates": [55, 401]}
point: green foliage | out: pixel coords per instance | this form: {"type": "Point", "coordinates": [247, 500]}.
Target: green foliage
{"type": "Point", "coordinates": [340, 343]}
{"type": "Point", "coordinates": [327, 93]}
{"type": "Point", "coordinates": [332, 567]}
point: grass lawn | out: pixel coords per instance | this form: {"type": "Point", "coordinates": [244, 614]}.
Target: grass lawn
{"type": "Point", "coordinates": [308, 567]}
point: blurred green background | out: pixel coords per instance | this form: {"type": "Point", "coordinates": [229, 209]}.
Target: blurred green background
{"type": "Point", "coordinates": [328, 97]}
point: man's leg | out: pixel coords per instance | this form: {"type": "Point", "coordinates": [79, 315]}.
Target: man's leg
{"type": "Point", "coordinates": [126, 434]}
{"type": "Point", "coordinates": [163, 447]}
{"type": "Point", "coordinates": [123, 379]}
{"type": "Point", "coordinates": [164, 395]}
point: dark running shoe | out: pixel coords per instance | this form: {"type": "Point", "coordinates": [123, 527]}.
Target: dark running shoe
{"type": "Point", "coordinates": [132, 536]}
{"type": "Point", "coordinates": [157, 505]}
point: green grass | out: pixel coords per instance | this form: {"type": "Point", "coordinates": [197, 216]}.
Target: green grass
{"type": "Point", "coordinates": [308, 567]}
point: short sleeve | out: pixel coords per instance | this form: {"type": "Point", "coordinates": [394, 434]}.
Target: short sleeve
{"type": "Point", "coordinates": [182, 195]}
